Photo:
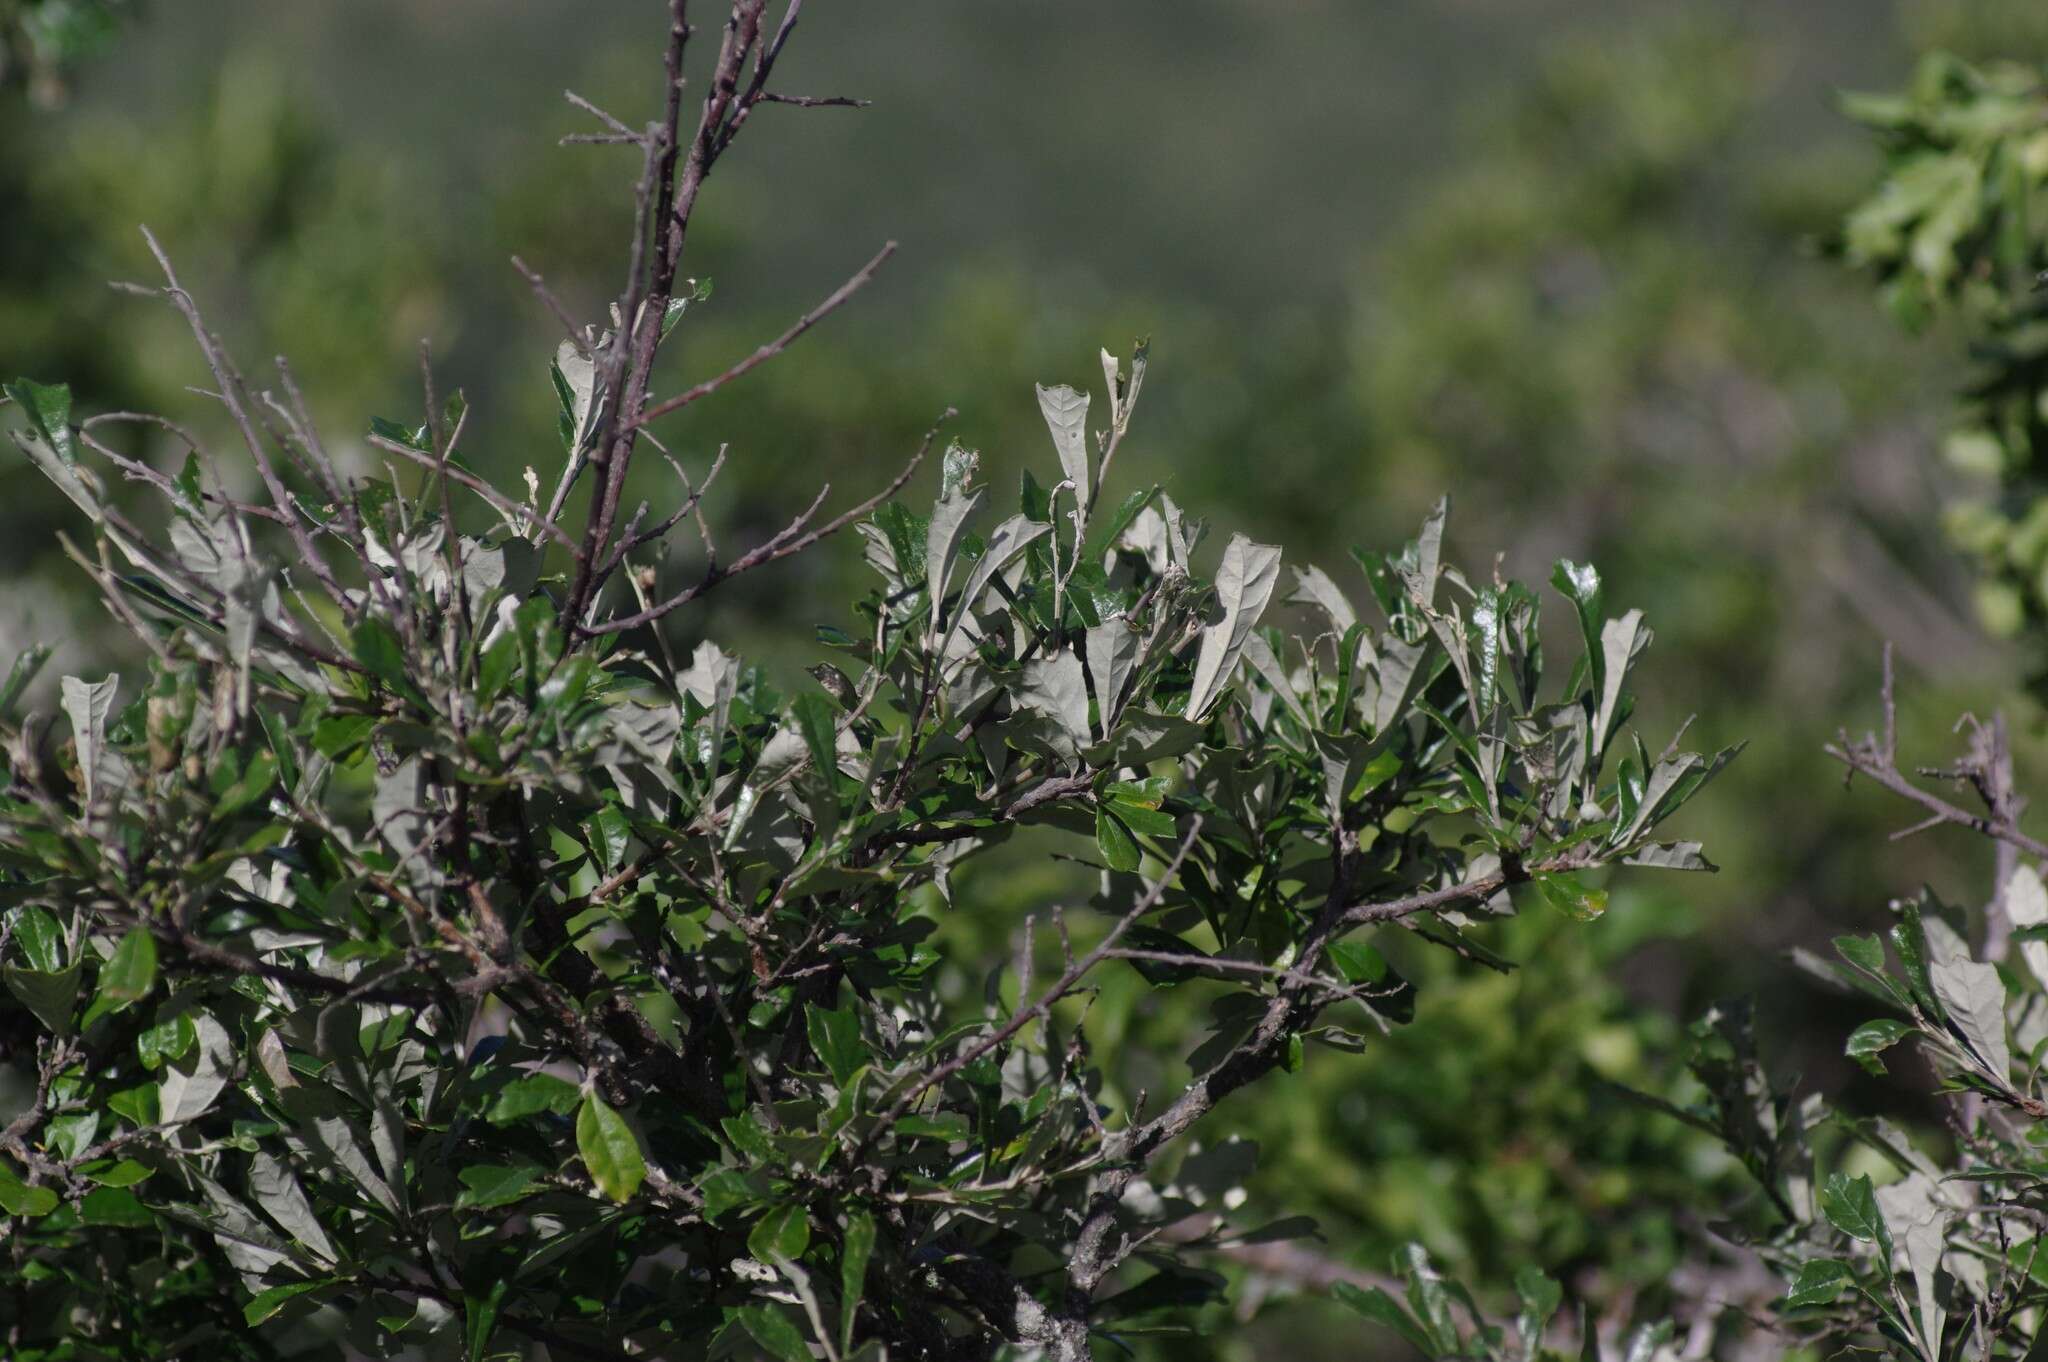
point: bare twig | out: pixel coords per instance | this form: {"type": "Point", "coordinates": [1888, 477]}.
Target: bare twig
{"type": "Point", "coordinates": [230, 398]}
{"type": "Point", "coordinates": [1986, 768]}
{"type": "Point", "coordinates": [551, 302]}
{"type": "Point", "coordinates": [515, 512]}
{"type": "Point", "coordinates": [1075, 971]}
{"type": "Point", "coordinates": [761, 356]}
{"type": "Point", "coordinates": [791, 539]}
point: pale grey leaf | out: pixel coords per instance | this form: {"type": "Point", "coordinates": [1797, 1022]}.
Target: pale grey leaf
{"type": "Point", "coordinates": [1261, 659]}
{"type": "Point", "coordinates": [1066, 416]}
{"type": "Point", "coordinates": [1973, 996]}
{"type": "Point", "coordinates": [942, 548]}
{"type": "Point", "coordinates": [278, 1192]}
{"type": "Point", "coordinates": [191, 1084]}
{"type": "Point", "coordinates": [1429, 551]}
{"type": "Point", "coordinates": [2026, 903]}
{"type": "Point", "coordinates": [1010, 539]}
{"type": "Point", "coordinates": [87, 705]}
{"type": "Point", "coordinates": [395, 807]}
{"type": "Point", "coordinates": [1670, 856]}
{"type": "Point", "coordinates": [73, 480]}
{"type": "Point", "coordinates": [1244, 584]}
{"type": "Point", "coordinates": [1112, 653]}
{"type": "Point", "coordinates": [713, 678]}
{"type": "Point", "coordinates": [1395, 680]}
{"type": "Point", "coordinates": [1312, 586]}
{"type": "Point", "coordinates": [1621, 642]}
{"type": "Point", "coordinates": [1055, 687]}
{"type": "Point", "coordinates": [1142, 738]}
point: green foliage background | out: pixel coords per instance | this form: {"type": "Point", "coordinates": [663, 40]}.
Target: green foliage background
{"type": "Point", "coordinates": [1564, 261]}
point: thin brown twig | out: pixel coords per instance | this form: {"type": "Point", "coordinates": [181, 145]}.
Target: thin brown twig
{"type": "Point", "coordinates": [512, 510]}
{"type": "Point", "coordinates": [1075, 971]}
{"type": "Point", "coordinates": [230, 398]}
{"type": "Point", "coordinates": [791, 539]}
{"type": "Point", "coordinates": [832, 303]}
{"type": "Point", "coordinates": [553, 304]}
{"type": "Point", "coordinates": [817, 102]}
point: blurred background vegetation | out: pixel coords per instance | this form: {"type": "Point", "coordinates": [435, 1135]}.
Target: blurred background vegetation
{"type": "Point", "coordinates": [1567, 261]}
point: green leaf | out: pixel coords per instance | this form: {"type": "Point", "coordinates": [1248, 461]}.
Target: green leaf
{"type": "Point", "coordinates": [835, 1035]}
{"type": "Point", "coordinates": [774, 1332]}
{"type": "Point", "coordinates": [1864, 952]}
{"type": "Point", "coordinates": [253, 783]}
{"type": "Point", "coordinates": [486, 1185]}
{"type": "Point", "coordinates": [1377, 1306]}
{"type": "Point", "coordinates": [1819, 1282]}
{"type": "Point", "coordinates": [49, 995]}
{"type": "Point", "coordinates": [267, 1303]}
{"type": "Point", "coordinates": [139, 1104]}
{"type": "Point", "coordinates": [1540, 1296]}
{"type": "Point", "coordinates": [1873, 1038]}
{"type": "Point", "coordinates": [130, 973]}
{"type": "Point", "coordinates": [1580, 584]}
{"type": "Point", "coordinates": [41, 938]}
{"type": "Point", "coordinates": [814, 719]}
{"type": "Point", "coordinates": [611, 835]}
{"type": "Point", "coordinates": [115, 1207]}
{"type": "Point", "coordinates": [784, 1230]}
{"type": "Point", "coordinates": [1113, 839]}
{"type": "Point", "coordinates": [1104, 533]}
{"type": "Point", "coordinates": [1850, 1204]}
{"type": "Point", "coordinates": [168, 1040]}
{"type": "Point", "coordinates": [723, 1189]}
{"type": "Point", "coordinates": [480, 1317]}
{"type": "Point", "coordinates": [858, 1247]}
{"type": "Point", "coordinates": [609, 1150]}
{"type": "Point", "coordinates": [17, 1198]}
{"type": "Point", "coordinates": [1146, 820]}
{"type": "Point", "coordinates": [375, 645]}
{"type": "Point", "coordinates": [1571, 896]}
{"type": "Point", "coordinates": [126, 1173]}
{"type": "Point", "coordinates": [48, 408]}
{"type": "Point", "coordinates": [26, 665]}
{"type": "Point", "coordinates": [530, 1095]}
{"type": "Point", "coordinates": [412, 437]}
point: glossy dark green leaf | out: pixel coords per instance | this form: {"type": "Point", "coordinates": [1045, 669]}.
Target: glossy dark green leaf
{"type": "Point", "coordinates": [785, 1230]}
{"type": "Point", "coordinates": [19, 1199]}
{"type": "Point", "coordinates": [1571, 895]}
{"type": "Point", "coordinates": [816, 721]}
{"type": "Point", "coordinates": [480, 1317]}
{"type": "Point", "coordinates": [835, 1036]}
{"type": "Point", "coordinates": [1850, 1204]}
{"type": "Point", "coordinates": [40, 937]}
{"type": "Point", "coordinates": [167, 1040]}
{"type": "Point", "coordinates": [1872, 1039]}
{"type": "Point", "coordinates": [1818, 1283]}
{"type": "Point", "coordinates": [48, 408]}
{"type": "Point", "coordinates": [532, 1094]}
{"type": "Point", "coordinates": [130, 973]}
{"type": "Point", "coordinates": [487, 1185]}
{"type": "Point", "coordinates": [1381, 1308]}
{"type": "Point", "coordinates": [774, 1332]}
{"type": "Point", "coordinates": [268, 1302]}
{"type": "Point", "coordinates": [609, 1149]}
{"type": "Point", "coordinates": [116, 1208]}
{"type": "Point", "coordinates": [855, 1251]}
{"type": "Point", "coordinates": [376, 646]}
{"type": "Point", "coordinates": [1114, 841]}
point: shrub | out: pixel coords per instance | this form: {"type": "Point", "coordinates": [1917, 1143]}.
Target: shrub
{"type": "Point", "coordinates": [424, 950]}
